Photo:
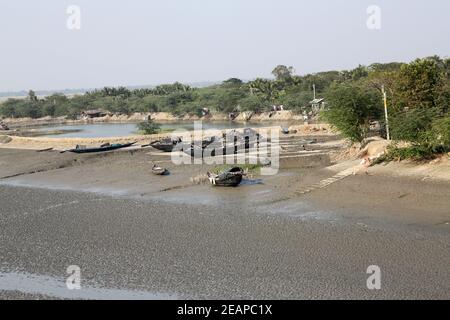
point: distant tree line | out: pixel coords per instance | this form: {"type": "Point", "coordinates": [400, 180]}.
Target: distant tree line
{"type": "Point", "coordinates": [232, 95]}
{"type": "Point", "coordinates": [418, 96]}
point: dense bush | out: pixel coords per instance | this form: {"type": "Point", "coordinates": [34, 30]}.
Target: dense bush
{"type": "Point", "coordinates": [148, 127]}
{"type": "Point", "coordinates": [414, 152]}
{"type": "Point", "coordinates": [438, 137]}
{"type": "Point", "coordinates": [352, 107]}
{"type": "Point", "coordinates": [412, 125]}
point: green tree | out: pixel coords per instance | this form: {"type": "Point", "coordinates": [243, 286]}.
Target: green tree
{"type": "Point", "coordinates": [232, 82]}
{"type": "Point", "coordinates": [420, 85]}
{"type": "Point", "coordinates": [253, 103]}
{"type": "Point", "coordinates": [266, 89]}
{"type": "Point", "coordinates": [297, 101]}
{"type": "Point", "coordinates": [352, 106]}
{"type": "Point", "coordinates": [8, 108]}
{"type": "Point", "coordinates": [32, 96]}
{"type": "Point", "coordinates": [282, 72]}
{"type": "Point", "coordinates": [438, 136]}
{"type": "Point", "coordinates": [420, 98]}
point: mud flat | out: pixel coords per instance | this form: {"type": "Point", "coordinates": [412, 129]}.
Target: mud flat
{"type": "Point", "coordinates": [146, 235]}
{"type": "Point", "coordinates": [193, 250]}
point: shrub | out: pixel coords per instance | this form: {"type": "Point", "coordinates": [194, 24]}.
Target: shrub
{"type": "Point", "coordinates": [414, 152]}
{"type": "Point", "coordinates": [439, 135]}
{"type": "Point", "coordinates": [352, 106]}
{"type": "Point", "coordinates": [148, 127]}
{"type": "Point", "coordinates": [412, 125]}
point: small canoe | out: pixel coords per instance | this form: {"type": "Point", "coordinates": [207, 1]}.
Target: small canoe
{"type": "Point", "coordinates": [228, 178]}
{"type": "Point", "coordinates": [159, 171]}
{"type": "Point", "coordinates": [103, 148]}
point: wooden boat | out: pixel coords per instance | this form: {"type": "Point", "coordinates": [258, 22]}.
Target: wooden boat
{"type": "Point", "coordinates": [191, 149]}
{"type": "Point", "coordinates": [3, 126]}
{"type": "Point", "coordinates": [313, 141]}
{"type": "Point", "coordinates": [217, 148]}
{"type": "Point", "coordinates": [228, 178]}
{"type": "Point", "coordinates": [165, 145]}
{"type": "Point", "coordinates": [208, 141]}
{"type": "Point", "coordinates": [159, 171]}
{"type": "Point", "coordinates": [102, 148]}
{"type": "Point", "coordinates": [228, 144]}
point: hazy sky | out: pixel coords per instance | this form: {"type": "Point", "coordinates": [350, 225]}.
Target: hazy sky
{"type": "Point", "coordinates": [158, 41]}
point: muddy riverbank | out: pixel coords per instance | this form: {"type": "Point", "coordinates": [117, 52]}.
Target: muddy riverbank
{"type": "Point", "coordinates": [138, 235]}
{"type": "Point", "coordinates": [231, 248]}
{"type": "Point", "coordinates": [285, 115]}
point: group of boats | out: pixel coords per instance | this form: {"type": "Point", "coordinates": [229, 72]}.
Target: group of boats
{"type": "Point", "coordinates": [229, 144]}
{"type": "Point", "coordinates": [212, 146]}
{"type": "Point", "coordinates": [229, 178]}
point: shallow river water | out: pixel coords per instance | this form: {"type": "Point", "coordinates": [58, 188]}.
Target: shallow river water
{"type": "Point", "coordinates": [125, 129]}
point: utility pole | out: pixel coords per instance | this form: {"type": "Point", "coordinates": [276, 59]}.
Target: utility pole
{"type": "Point", "coordinates": [314, 89]}
{"type": "Point", "coordinates": [386, 112]}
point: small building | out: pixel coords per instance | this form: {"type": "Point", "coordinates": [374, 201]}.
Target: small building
{"type": "Point", "coordinates": [317, 104]}
{"type": "Point", "coordinates": [205, 112]}
{"type": "Point", "coordinates": [97, 113]}
{"type": "Point", "coordinates": [277, 108]}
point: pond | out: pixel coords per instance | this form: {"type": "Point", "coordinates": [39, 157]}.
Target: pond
{"type": "Point", "coordinates": [99, 130]}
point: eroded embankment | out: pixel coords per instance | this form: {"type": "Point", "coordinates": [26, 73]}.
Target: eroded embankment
{"type": "Point", "coordinates": [284, 115]}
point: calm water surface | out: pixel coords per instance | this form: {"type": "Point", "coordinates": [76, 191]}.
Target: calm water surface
{"type": "Point", "coordinates": [125, 129]}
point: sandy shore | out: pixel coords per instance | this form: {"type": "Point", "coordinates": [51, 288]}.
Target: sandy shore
{"type": "Point", "coordinates": [284, 115]}
{"type": "Point", "coordinates": [130, 230]}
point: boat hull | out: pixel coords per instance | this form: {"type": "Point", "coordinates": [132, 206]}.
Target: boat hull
{"type": "Point", "coordinates": [163, 147]}
{"type": "Point", "coordinates": [230, 178]}
{"type": "Point", "coordinates": [102, 149]}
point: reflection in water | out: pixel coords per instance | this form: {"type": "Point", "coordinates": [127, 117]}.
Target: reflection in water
{"type": "Point", "coordinates": [56, 287]}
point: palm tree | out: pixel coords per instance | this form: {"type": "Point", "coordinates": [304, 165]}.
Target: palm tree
{"type": "Point", "coordinates": [268, 89]}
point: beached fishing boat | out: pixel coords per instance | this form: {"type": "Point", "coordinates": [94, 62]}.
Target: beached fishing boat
{"type": "Point", "coordinates": [165, 145]}
{"type": "Point", "coordinates": [102, 148]}
{"type": "Point", "coordinates": [312, 141]}
{"type": "Point", "coordinates": [159, 171]}
{"type": "Point", "coordinates": [218, 148]}
{"type": "Point", "coordinates": [230, 143]}
{"type": "Point", "coordinates": [3, 126]}
{"type": "Point", "coordinates": [228, 178]}
{"type": "Point", "coordinates": [197, 148]}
